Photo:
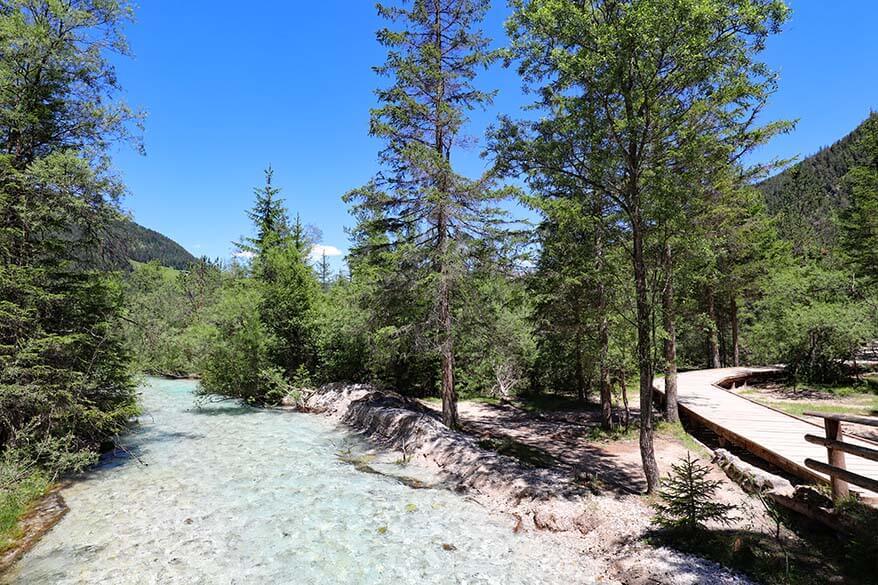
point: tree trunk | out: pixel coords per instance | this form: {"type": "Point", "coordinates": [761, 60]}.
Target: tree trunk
{"type": "Point", "coordinates": [580, 369]}
{"type": "Point", "coordinates": [605, 388]}
{"type": "Point", "coordinates": [644, 355]}
{"type": "Point", "coordinates": [449, 396]}
{"type": "Point", "coordinates": [736, 345]}
{"type": "Point", "coordinates": [604, 326]}
{"type": "Point", "coordinates": [671, 410]}
{"type": "Point", "coordinates": [712, 339]}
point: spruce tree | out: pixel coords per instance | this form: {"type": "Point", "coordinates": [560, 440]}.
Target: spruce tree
{"type": "Point", "coordinates": [64, 382]}
{"type": "Point", "coordinates": [860, 220]}
{"type": "Point", "coordinates": [429, 211]}
{"type": "Point", "coordinates": [689, 498]}
{"type": "Point", "coordinates": [269, 218]}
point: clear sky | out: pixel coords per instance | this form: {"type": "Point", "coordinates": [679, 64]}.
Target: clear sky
{"type": "Point", "coordinates": [229, 88]}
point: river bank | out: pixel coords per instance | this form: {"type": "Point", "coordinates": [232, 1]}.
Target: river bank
{"type": "Point", "coordinates": [610, 526]}
{"type": "Point", "coordinates": [41, 515]}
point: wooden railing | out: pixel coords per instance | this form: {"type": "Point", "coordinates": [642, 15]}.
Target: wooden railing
{"type": "Point", "coordinates": [840, 477]}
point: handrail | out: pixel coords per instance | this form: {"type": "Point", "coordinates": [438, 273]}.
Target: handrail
{"type": "Point", "coordinates": [840, 473]}
{"type": "Point", "coordinates": [839, 476]}
{"type": "Point", "coordinates": [869, 421]}
{"type": "Point", "coordinates": [864, 452]}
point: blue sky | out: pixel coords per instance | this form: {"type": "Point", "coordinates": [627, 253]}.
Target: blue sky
{"type": "Point", "coordinates": [229, 89]}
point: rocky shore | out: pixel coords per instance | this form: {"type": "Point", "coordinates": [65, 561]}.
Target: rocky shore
{"type": "Point", "coordinates": [608, 528]}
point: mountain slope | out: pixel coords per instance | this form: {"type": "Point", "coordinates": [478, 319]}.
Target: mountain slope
{"type": "Point", "coordinates": [139, 243]}
{"type": "Point", "coordinates": [807, 196]}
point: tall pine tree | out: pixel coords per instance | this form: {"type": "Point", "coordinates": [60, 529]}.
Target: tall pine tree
{"type": "Point", "coordinates": [428, 210]}
{"type": "Point", "coordinates": [64, 383]}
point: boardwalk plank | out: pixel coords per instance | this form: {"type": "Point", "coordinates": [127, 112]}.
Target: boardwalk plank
{"type": "Point", "coordinates": [771, 434]}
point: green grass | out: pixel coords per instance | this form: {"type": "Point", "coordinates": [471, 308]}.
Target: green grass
{"type": "Point", "coordinates": [617, 433]}
{"type": "Point", "coordinates": [758, 555]}
{"type": "Point", "coordinates": [15, 502]}
{"type": "Point", "coordinates": [812, 556]}
{"type": "Point", "coordinates": [800, 408]}
{"type": "Point", "coordinates": [676, 431]}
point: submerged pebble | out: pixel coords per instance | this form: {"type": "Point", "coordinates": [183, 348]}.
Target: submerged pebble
{"type": "Point", "coordinates": [233, 495]}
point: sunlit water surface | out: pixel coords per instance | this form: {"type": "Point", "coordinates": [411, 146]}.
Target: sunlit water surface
{"type": "Point", "coordinates": [227, 494]}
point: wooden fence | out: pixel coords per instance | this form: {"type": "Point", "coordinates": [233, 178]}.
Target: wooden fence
{"type": "Point", "coordinates": [840, 477]}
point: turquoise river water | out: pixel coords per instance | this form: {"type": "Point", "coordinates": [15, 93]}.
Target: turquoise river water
{"type": "Point", "coordinates": [231, 495]}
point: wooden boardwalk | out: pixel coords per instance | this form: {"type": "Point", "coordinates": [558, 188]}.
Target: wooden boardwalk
{"type": "Point", "coordinates": [770, 434]}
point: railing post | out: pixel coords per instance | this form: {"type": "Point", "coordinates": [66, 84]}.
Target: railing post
{"type": "Point", "coordinates": [836, 458]}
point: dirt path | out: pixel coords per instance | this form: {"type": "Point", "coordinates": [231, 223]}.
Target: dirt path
{"type": "Point", "coordinates": [572, 441]}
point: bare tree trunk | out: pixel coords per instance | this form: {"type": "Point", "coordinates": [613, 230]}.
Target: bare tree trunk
{"type": "Point", "coordinates": [644, 355]}
{"type": "Point", "coordinates": [605, 388]}
{"type": "Point", "coordinates": [604, 327]}
{"type": "Point", "coordinates": [623, 386]}
{"type": "Point", "coordinates": [580, 370]}
{"type": "Point", "coordinates": [449, 396]}
{"type": "Point", "coordinates": [668, 310]}
{"type": "Point", "coordinates": [736, 344]}
{"type": "Point", "coordinates": [712, 339]}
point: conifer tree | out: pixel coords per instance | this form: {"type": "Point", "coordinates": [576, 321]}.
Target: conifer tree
{"type": "Point", "coordinates": [269, 218]}
{"type": "Point", "coordinates": [324, 271]}
{"type": "Point", "coordinates": [428, 210]}
{"type": "Point", "coordinates": [689, 498]}
{"type": "Point", "coordinates": [64, 382]}
{"type": "Point", "coordinates": [860, 220]}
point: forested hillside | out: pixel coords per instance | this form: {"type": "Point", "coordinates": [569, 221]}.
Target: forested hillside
{"type": "Point", "coordinates": [807, 196]}
{"type": "Point", "coordinates": [141, 244]}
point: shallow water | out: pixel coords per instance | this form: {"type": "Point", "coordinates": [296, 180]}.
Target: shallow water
{"type": "Point", "coordinates": [232, 495]}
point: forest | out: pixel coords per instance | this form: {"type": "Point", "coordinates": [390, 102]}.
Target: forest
{"type": "Point", "coordinates": [656, 248]}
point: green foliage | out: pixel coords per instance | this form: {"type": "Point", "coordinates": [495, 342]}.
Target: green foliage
{"type": "Point", "coordinates": [806, 197]}
{"type": "Point", "coordinates": [128, 241]}
{"type": "Point", "coordinates": [290, 294]}
{"type": "Point", "coordinates": [64, 385]}
{"type": "Point", "coordinates": [689, 498]}
{"type": "Point", "coordinates": [861, 548]}
{"type": "Point", "coordinates": [238, 360]}
{"type": "Point", "coordinates": [165, 315]}
{"type": "Point", "coordinates": [20, 487]}
{"type": "Point", "coordinates": [494, 339]}
{"type": "Point", "coordinates": [342, 334]}
{"type": "Point", "coordinates": [859, 221]}
{"type": "Point", "coordinates": [263, 329]}
{"type": "Point", "coordinates": [809, 320]}
{"type": "Point", "coordinates": [269, 218]}
{"type": "Point", "coordinates": [422, 209]}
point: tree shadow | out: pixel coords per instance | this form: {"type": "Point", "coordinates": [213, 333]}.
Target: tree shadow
{"type": "Point", "coordinates": [761, 556]}
{"type": "Point", "coordinates": [571, 440]}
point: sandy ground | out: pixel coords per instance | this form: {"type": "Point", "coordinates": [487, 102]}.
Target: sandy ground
{"type": "Point", "coordinates": [590, 498]}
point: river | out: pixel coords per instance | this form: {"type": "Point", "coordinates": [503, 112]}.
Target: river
{"type": "Point", "coordinates": [226, 494]}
